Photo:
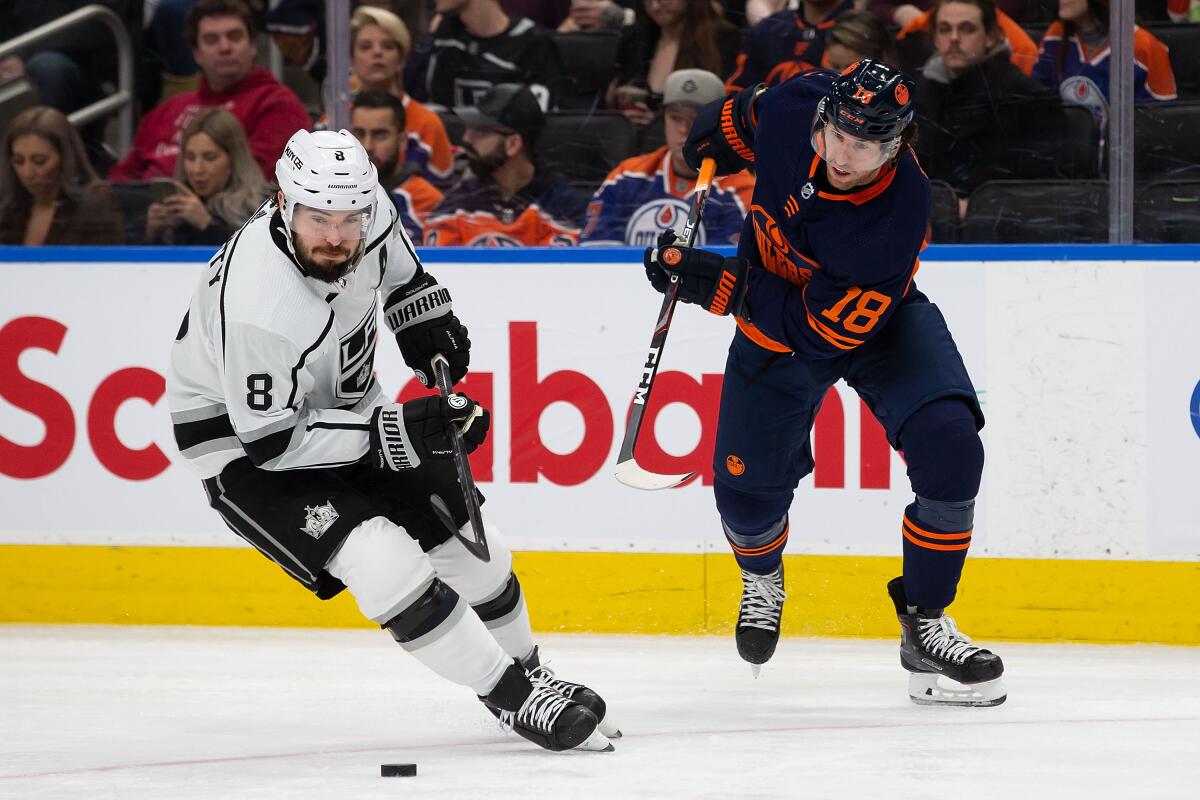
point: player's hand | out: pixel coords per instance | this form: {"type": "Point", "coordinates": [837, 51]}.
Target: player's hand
{"type": "Point", "coordinates": [723, 132]}
{"type": "Point", "coordinates": [420, 315]}
{"type": "Point", "coordinates": [705, 278]}
{"type": "Point", "coordinates": [403, 437]}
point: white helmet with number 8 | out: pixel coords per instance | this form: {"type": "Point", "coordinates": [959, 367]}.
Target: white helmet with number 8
{"type": "Point", "coordinates": [327, 172]}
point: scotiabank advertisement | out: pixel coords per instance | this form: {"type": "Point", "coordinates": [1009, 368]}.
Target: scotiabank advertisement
{"type": "Point", "coordinates": [87, 456]}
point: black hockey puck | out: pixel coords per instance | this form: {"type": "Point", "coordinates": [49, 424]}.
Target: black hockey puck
{"type": "Point", "coordinates": [397, 770]}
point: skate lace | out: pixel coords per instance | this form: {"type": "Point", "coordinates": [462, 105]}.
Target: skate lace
{"type": "Point", "coordinates": [538, 712]}
{"type": "Point", "coordinates": [544, 676]}
{"type": "Point", "coordinates": [762, 600]}
{"type": "Point", "coordinates": [941, 637]}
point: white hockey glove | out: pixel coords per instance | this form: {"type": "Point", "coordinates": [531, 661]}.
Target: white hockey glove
{"type": "Point", "coordinates": [405, 436]}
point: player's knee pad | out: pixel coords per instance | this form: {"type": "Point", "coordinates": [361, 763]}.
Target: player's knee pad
{"type": "Point", "coordinates": [504, 606]}
{"type": "Point", "coordinates": [424, 614]}
{"type": "Point", "coordinates": [750, 514]}
{"type": "Point", "coordinates": [943, 451]}
{"type": "Point", "coordinates": [383, 567]}
{"type": "Point", "coordinates": [475, 580]}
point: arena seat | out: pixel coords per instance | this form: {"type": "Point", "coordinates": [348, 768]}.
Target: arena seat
{"type": "Point", "coordinates": [585, 147]}
{"type": "Point", "coordinates": [1168, 212]}
{"type": "Point", "coordinates": [589, 63]}
{"type": "Point", "coordinates": [1166, 141]}
{"type": "Point", "coordinates": [943, 219]}
{"type": "Point", "coordinates": [1037, 211]}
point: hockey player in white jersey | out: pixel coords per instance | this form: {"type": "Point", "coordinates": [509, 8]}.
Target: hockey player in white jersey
{"type": "Point", "coordinates": [275, 404]}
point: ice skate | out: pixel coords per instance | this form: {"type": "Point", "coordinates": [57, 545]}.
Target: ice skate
{"type": "Point", "coordinates": [538, 713]}
{"type": "Point", "coordinates": [757, 630]}
{"type": "Point", "coordinates": [944, 667]}
{"type": "Point", "coordinates": [577, 692]}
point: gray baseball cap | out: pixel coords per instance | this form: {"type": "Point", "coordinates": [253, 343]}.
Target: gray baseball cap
{"type": "Point", "coordinates": [692, 87]}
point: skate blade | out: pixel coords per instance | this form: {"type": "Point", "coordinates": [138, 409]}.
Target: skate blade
{"type": "Point", "coordinates": [924, 689]}
{"type": "Point", "coordinates": [755, 669]}
{"type": "Point", "coordinates": [609, 728]}
{"type": "Point", "coordinates": [596, 743]}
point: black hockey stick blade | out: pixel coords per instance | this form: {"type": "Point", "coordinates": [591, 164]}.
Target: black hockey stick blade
{"type": "Point", "coordinates": [628, 471]}
{"type": "Point", "coordinates": [476, 544]}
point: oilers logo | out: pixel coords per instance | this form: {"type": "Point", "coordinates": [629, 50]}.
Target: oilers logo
{"type": "Point", "coordinates": [654, 217]}
{"type": "Point", "coordinates": [494, 239]}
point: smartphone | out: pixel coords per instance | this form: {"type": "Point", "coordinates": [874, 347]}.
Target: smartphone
{"type": "Point", "coordinates": [162, 188]}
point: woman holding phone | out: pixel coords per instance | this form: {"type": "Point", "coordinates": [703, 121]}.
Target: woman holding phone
{"type": "Point", "coordinates": [217, 185]}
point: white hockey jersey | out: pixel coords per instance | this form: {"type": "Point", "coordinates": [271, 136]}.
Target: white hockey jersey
{"type": "Point", "coordinates": [278, 366]}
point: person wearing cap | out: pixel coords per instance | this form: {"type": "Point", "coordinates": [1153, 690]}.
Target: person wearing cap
{"type": "Point", "coordinates": [822, 289]}
{"type": "Point", "coordinates": [377, 121]}
{"type": "Point", "coordinates": [506, 199]}
{"type": "Point", "coordinates": [648, 194]}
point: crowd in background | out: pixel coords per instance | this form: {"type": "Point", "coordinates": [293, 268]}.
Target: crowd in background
{"type": "Point", "coordinates": [515, 122]}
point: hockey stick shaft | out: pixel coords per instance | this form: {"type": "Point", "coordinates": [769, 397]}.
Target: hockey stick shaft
{"type": "Point", "coordinates": [641, 397]}
{"type": "Point", "coordinates": [477, 545]}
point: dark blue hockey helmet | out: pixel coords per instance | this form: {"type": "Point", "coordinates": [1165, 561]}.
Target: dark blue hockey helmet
{"type": "Point", "coordinates": [870, 100]}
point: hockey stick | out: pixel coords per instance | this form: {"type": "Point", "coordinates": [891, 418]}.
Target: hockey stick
{"type": "Point", "coordinates": [477, 545]}
{"type": "Point", "coordinates": [628, 471]}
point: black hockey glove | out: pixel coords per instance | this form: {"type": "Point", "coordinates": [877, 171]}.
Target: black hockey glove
{"type": "Point", "coordinates": [724, 132]}
{"type": "Point", "coordinates": [705, 278]}
{"type": "Point", "coordinates": [405, 436]}
{"type": "Point", "coordinates": [419, 314]}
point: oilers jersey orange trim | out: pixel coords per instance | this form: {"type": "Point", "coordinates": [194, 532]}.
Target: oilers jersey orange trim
{"type": "Point", "coordinates": [761, 339]}
{"type": "Point", "coordinates": [836, 339]}
{"type": "Point", "coordinates": [868, 192]}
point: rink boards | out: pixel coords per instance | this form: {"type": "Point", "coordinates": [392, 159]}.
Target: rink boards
{"type": "Point", "coordinates": [1086, 358]}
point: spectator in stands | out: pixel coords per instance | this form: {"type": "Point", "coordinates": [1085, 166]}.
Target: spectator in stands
{"type": "Point", "coordinates": [647, 194]}
{"type": "Point", "coordinates": [164, 38]}
{"type": "Point", "coordinates": [377, 119]}
{"type": "Point", "coordinates": [379, 45]}
{"type": "Point", "coordinates": [786, 43]}
{"type": "Point", "coordinates": [856, 35]}
{"type": "Point", "coordinates": [221, 35]}
{"type": "Point", "coordinates": [1080, 70]}
{"type": "Point", "coordinates": [217, 185]}
{"type": "Point", "coordinates": [49, 193]}
{"type": "Point", "coordinates": [476, 46]}
{"type": "Point", "coordinates": [914, 42]}
{"type": "Point", "coordinates": [669, 35]}
{"type": "Point", "coordinates": [507, 199]}
{"type": "Point", "coordinates": [980, 117]}
{"type": "Point", "coordinates": [598, 15]}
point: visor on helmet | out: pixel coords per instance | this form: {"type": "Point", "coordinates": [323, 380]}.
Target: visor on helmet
{"type": "Point", "coordinates": [851, 152]}
{"type": "Point", "coordinates": [346, 226]}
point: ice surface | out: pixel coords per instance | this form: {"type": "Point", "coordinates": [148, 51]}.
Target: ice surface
{"type": "Point", "coordinates": [179, 713]}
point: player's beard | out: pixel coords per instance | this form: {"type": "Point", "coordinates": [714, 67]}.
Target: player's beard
{"type": "Point", "coordinates": [328, 271]}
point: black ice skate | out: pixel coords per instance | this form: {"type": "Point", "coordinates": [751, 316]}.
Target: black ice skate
{"type": "Point", "coordinates": [931, 646]}
{"type": "Point", "coordinates": [572, 691]}
{"type": "Point", "coordinates": [543, 716]}
{"type": "Point", "coordinates": [757, 630]}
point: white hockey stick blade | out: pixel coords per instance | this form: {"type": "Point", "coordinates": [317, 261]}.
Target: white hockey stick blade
{"type": "Point", "coordinates": [630, 474]}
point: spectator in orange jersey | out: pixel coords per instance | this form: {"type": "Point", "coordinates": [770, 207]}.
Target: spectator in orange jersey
{"type": "Point", "coordinates": [915, 40]}
{"type": "Point", "coordinates": [1074, 58]}
{"type": "Point", "coordinates": [377, 120]}
{"type": "Point", "coordinates": [648, 194]}
{"type": "Point", "coordinates": [379, 45]}
{"type": "Point", "coordinates": [506, 199]}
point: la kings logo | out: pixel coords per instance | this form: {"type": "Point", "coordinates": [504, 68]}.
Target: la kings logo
{"type": "Point", "coordinates": [319, 519]}
{"type": "Point", "coordinates": [357, 359]}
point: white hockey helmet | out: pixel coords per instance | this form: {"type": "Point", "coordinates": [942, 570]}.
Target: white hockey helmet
{"type": "Point", "coordinates": [326, 171]}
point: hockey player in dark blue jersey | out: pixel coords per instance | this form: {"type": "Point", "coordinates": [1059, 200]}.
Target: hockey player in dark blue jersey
{"type": "Point", "coordinates": [822, 289]}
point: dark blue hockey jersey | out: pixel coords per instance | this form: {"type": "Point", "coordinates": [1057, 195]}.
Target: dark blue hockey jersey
{"type": "Point", "coordinates": [780, 46]}
{"type": "Point", "coordinates": [828, 268]}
